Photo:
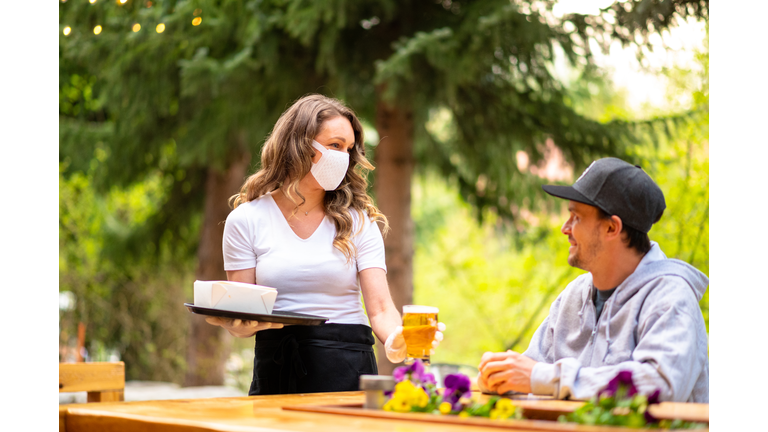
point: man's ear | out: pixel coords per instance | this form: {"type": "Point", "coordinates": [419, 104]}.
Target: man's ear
{"type": "Point", "coordinates": [613, 228]}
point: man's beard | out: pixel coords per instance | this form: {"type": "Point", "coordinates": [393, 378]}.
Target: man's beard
{"type": "Point", "coordinates": [585, 254]}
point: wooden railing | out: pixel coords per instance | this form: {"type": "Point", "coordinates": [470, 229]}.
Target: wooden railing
{"type": "Point", "coordinates": [104, 382]}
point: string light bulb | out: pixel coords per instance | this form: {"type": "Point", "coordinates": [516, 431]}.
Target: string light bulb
{"type": "Point", "coordinates": [136, 27]}
{"type": "Point", "coordinates": [122, 2]}
{"type": "Point", "coordinates": [67, 30]}
{"type": "Point", "coordinates": [160, 28]}
{"type": "Point", "coordinates": [97, 30]}
{"type": "Point", "coordinates": [197, 21]}
{"type": "Point", "coordinates": [91, 1]}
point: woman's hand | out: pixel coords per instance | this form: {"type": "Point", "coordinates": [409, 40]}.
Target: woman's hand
{"type": "Point", "coordinates": [385, 320]}
{"type": "Point", "coordinates": [236, 327]}
{"type": "Point", "coordinates": [395, 344]}
{"type": "Point", "coordinates": [241, 328]}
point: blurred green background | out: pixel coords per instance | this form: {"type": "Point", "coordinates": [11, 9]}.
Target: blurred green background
{"type": "Point", "coordinates": [502, 96]}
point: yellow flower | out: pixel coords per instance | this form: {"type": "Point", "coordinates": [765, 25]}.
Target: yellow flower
{"type": "Point", "coordinates": [406, 388]}
{"type": "Point", "coordinates": [397, 404]}
{"type": "Point", "coordinates": [505, 408]}
{"type": "Point", "coordinates": [406, 396]}
{"type": "Point", "coordinates": [463, 414]}
{"type": "Point", "coordinates": [445, 408]}
{"type": "Point", "coordinates": [421, 399]}
{"type": "Point", "coordinates": [505, 404]}
{"type": "Point", "coordinates": [409, 392]}
{"type": "Point", "coordinates": [389, 405]}
{"type": "Point", "coordinates": [402, 406]}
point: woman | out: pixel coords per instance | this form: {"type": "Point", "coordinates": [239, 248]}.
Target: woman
{"type": "Point", "coordinates": [305, 225]}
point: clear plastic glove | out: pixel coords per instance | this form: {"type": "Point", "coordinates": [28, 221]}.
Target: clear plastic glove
{"type": "Point", "coordinates": [240, 328]}
{"type": "Point", "coordinates": [395, 344]}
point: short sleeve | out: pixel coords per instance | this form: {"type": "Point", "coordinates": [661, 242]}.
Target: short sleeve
{"type": "Point", "coordinates": [370, 247]}
{"type": "Point", "coordinates": [237, 244]}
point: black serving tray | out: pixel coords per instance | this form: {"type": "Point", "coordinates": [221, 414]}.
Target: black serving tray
{"type": "Point", "coordinates": [275, 316]}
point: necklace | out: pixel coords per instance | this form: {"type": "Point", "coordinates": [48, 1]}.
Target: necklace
{"type": "Point", "coordinates": [306, 213]}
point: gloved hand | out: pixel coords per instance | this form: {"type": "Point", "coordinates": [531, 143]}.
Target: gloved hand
{"type": "Point", "coordinates": [395, 344]}
{"type": "Point", "coordinates": [241, 328]}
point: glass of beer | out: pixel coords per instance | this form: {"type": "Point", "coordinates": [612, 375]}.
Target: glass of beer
{"type": "Point", "coordinates": [419, 327]}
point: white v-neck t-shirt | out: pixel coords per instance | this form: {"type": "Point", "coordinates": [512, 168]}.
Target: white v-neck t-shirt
{"type": "Point", "coordinates": [310, 275]}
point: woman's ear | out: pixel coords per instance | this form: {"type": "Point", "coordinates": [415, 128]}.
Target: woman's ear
{"type": "Point", "coordinates": [316, 155]}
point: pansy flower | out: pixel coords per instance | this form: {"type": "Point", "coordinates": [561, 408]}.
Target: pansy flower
{"type": "Point", "coordinates": [619, 403]}
{"type": "Point", "coordinates": [457, 383]}
{"type": "Point", "coordinates": [652, 399]}
{"type": "Point", "coordinates": [413, 372]}
{"type": "Point", "coordinates": [623, 383]}
{"type": "Point", "coordinates": [456, 387]}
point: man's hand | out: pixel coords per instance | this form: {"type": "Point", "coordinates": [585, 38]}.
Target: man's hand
{"type": "Point", "coordinates": [240, 328]}
{"type": "Point", "coordinates": [506, 371]}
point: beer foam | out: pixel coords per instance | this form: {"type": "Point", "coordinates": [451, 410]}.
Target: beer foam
{"type": "Point", "coordinates": [419, 309]}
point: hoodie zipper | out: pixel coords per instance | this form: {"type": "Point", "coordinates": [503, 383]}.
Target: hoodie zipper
{"type": "Point", "coordinates": [595, 328]}
{"type": "Point", "coordinates": [593, 336]}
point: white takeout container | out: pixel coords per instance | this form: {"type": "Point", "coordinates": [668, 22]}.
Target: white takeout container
{"type": "Point", "coordinates": [235, 296]}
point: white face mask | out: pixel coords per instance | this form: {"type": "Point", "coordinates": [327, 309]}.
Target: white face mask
{"type": "Point", "coordinates": [332, 167]}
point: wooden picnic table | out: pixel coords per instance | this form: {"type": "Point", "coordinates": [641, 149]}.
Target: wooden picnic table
{"type": "Point", "coordinates": [317, 412]}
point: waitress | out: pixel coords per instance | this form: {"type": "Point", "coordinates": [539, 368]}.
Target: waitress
{"type": "Point", "coordinates": [304, 224]}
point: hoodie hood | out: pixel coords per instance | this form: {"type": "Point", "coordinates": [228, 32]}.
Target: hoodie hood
{"type": "Point", "coordinates": [656, 264]}
{"type": "Point", "coordinates": [653, 265]}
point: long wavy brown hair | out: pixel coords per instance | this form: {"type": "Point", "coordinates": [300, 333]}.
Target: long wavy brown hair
{"type": "Point", "coordinates": [287, 157]}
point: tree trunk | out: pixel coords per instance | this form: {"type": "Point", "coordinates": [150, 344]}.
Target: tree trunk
{"type": "Point", "coordinates": [394, 167]}
{"type": "Point", "coordinates": [209, 346]}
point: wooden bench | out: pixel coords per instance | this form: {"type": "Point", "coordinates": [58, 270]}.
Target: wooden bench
{"type": "Point", "coordinates": [103, 381]}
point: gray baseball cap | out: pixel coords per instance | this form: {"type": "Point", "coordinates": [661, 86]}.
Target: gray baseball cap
{"type": "Point", "coordinates": [618, 188]}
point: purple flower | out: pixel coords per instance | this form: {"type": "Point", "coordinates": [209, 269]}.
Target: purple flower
{"type": "Point", "coordinates": [413, 372]}
{"type": "Point", "coordinates": [625, 377]}
{"type": "Point", "coordinates": [623, 380]}
{"type": "Point", "coordinates": [649, 418]}
{"type": "Point", "coordinates": [416, 370]}
{"type": "Point", "coordinates": [456, 383]}
{"type": "Point", "coordinates": [453, 399]}
{"type": "Point", "coordinates": [428, 383]}
{"type": "Point", "coordinates": [399, 373]}
{"type": "Point", "coordinates": [428, 378]}
{"type": "Point", "coordinates": [455, 403]}
{"type": "Point", "coordinates": [456, 387]}
{"type": "Point", "coordinates": [652, 399]}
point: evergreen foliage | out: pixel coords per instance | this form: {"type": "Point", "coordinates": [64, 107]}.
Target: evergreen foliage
{"type": "Point", "coordinates": [203, 90]}
{"type": "Point", "coordinates": [140, 105]}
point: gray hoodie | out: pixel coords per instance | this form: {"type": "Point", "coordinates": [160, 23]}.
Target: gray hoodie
{"type": "Point", "coordinates": [651, 325]}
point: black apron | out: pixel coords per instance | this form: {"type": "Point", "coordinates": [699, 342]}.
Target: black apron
{"type": "Point", "coordinates": [310, 359]}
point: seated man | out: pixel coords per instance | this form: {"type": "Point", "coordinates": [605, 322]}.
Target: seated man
{"type": "Point", "coordinates": [634, 310]}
